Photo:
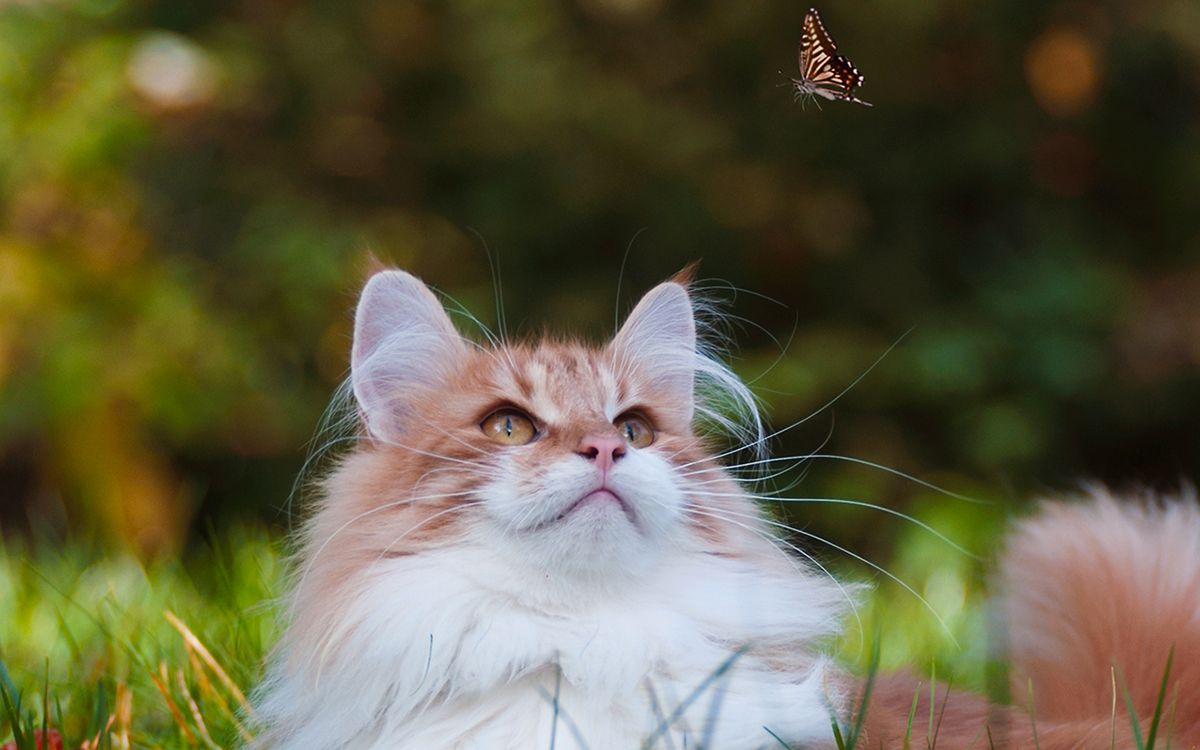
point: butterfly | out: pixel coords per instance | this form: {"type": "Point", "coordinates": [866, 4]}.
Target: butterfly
{"type": "Point", "coordinates": [824, 73]}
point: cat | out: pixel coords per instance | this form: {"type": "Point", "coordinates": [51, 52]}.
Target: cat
{"type": "Point", "coordinates": [534, 545]}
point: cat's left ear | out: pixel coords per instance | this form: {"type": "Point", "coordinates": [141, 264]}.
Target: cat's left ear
{"type": "Point", "coordinates": [404, 347]}
{"type": "Point", "coordinates": [658, 340]}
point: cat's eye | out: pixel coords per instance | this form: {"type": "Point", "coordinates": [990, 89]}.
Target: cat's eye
{"type": "Point", "coordinates": [508, 427]}
{"type": "Point", "coordinates": [636, 430]}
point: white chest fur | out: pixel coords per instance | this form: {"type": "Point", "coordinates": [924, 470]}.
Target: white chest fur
{"type": "Point", "coordinates": [457, 649]}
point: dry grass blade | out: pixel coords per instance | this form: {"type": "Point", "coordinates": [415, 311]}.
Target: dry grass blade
{"type": "Point", "coordinates": [123, 717]}
{"type": "Point", "coordinates": [160, 682]}
{"type": "Point", "coordinates": [194, 707]}
{"type": "Point", "coordinates": [1113, 675]}
{"type": "Point", "coordinates": [209, 691]}
{"type": "Point", "coordinates": [94, 742]}
{"type": "Point", "coordinates": [198, 646]}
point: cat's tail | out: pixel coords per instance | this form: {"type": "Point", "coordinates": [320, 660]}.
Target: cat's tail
{"type": "Point", "coordinates": [1098, 595]}
{"type": "Point", "coordinates": [1099, 592]}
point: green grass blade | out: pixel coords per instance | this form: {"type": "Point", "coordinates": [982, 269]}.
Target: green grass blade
{"type": "Point", "coordinates": [12, 708]}
{"type": "Point", "coordinates": [557, 697]}
{"type": "Point", "coordinates": [912, 712]}
{"type": "Point", "coordinates": [777, 738]}
{"type": "Point", "coordinates": [837, 736]}
{"type": "Point", "coordinates": [1033, 716]}
{"type": "Point", "coordinates": [941, 715]}
{"type": "Point", "coordinates": [872, 671]}
{"type": "Point", "coordinates": [932, 703]}
{"type": "Point", "coordinates": [1152, 735]}
{"type": "Point", "coordinates": [46, 707]}
{"type": "Point", "coordinates": [99, 713]}
{"type": "Point", "coordinates": [1171, 724]}
{"type": "Point", "coordinates": [1133, 719]}
{"type": "Point", "coordinates": [7, 685]}
{"type": "Point", "coordinates": [686, 703]}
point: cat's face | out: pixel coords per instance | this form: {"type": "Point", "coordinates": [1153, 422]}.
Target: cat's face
{"type": "Point", "coordinates": [572, 458]}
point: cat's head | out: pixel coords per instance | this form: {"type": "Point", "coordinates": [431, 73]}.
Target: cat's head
{"type": "Point", "coordinates": [574, 458]}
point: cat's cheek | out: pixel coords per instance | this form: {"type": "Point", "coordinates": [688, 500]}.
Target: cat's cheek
{"type": "Point", "coordinates": [521, 498]}
{"type": "Point", "coordinates": [652, 489]}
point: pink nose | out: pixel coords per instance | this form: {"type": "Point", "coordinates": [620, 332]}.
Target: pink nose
{"type": "Point", "coordinates": [603, 449]}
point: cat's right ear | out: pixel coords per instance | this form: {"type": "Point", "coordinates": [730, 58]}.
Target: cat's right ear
{"type": "Point", "coordinates": [404, 343]}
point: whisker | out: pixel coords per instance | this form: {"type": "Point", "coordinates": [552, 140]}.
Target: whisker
{"type": "Point", "coordinates": [688, 445]}
{"type": "Point", "coordinates": [319, 653]}
{"type": "Point", "coordinates": [454, 307]}
{"type": "Point", "coordinates": [827, 404]}
{"type": "Point", "coordinates": [857, 504]}
{"type": "Point", "coordinates": [459, 440]}
{"type": "Point", "coordinates": [395, 503]}
{"type": "Point", "coordinates": [870, 464]}
{"type": "Point", "coordinates": [865, 561]}
{"type": "Point", "coordinates": [439, 456]}
{"type": "Point", "coordinates": [782, 352]}
{"type": "Point", "coordinates": [620, 276]}
{"type": "Point", "coordinates": [775, 475]}
{"type": "Point", "coordinates": [497, 283]}
{"type": "Point", "coordinates": [414, 527]}
{"type": "Point", "coordinates": [337, 417]}
{"type": "Point", "coordinates": [774, 540]}
{"type": "Point", "coordinates": [518, 523]}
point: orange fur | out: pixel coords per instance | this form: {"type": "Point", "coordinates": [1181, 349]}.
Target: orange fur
{"type": "Point", "coordinates": [1095, 591]}
{"type": "Point", "coordinates": [1103, 589]}
{"type": "Point", "coordinates": [388, 500]}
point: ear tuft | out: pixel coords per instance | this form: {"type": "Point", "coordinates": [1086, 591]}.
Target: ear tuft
{"type": "Point", "coordinates": [686, 275]}
{"type": "Point", "coordinates": [404, 343]}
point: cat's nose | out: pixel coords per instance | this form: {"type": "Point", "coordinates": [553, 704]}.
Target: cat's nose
{"type": "Point", "coordinates": [603, 449]}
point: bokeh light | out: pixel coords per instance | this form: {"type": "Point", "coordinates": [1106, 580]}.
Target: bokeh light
{"type": "Point", "coordinates": [1063, 69]}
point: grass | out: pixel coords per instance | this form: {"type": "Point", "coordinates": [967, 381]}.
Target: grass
{"type": "Point", "coordinates": [114, 653]}
{"type": "Point", "coordinates": [117, 654]}
{"type": "Point", "coordinates": [1151, 737]}
{"type": "Point", "coordinates": [846, 734]}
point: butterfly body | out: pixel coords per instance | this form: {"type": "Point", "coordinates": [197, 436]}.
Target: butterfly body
{"type": "Point", "coordinates": [823, 72]}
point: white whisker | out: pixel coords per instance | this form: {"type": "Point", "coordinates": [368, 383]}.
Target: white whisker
{"type": "Point", "coordinates": [855, 503]}
{"type": "Point", "coordinates": [863, 462]}
{"type": "Point", "coordinates": [860, 558]}
{"type": "Point", "coordinates": [414, 527]}
{"type": "Point", "coordinates": [395, 503]}
{"type": "Point", "coordinates": [721, 515]}
{"type": "Point", "coordinates": [763, 438]}
{"type": "Point", "coordinates": [430, 454]}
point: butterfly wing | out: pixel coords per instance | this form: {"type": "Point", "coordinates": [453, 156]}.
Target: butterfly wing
{"type": "Point", "coordinates": [843, 79]}
{"type": "Point", "coordinates": [816, 46]}
{"type": "Point", "coordinates": [823, 72]}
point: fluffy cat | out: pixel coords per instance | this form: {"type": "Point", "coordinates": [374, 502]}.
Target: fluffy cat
{"type": "Point", "coordinates": [531, 546]}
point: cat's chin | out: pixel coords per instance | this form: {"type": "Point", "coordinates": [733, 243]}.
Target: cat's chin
{"type": "Point", "coordinates": [599, 517]}
{"type": "Point", "coordinates": [597, 535]}
{"type": "Point", "coordinates": [601, 502]}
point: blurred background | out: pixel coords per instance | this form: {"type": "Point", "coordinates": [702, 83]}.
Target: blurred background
{"type": "Point", "coordinates": [190, 194]}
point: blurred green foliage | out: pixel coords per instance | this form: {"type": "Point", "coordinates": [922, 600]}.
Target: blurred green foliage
{"type": "Point", "coordinates": [190, 193]}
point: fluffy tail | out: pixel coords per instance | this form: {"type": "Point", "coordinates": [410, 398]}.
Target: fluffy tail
{"type": "Point", "coordinates": [1098, 595]}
